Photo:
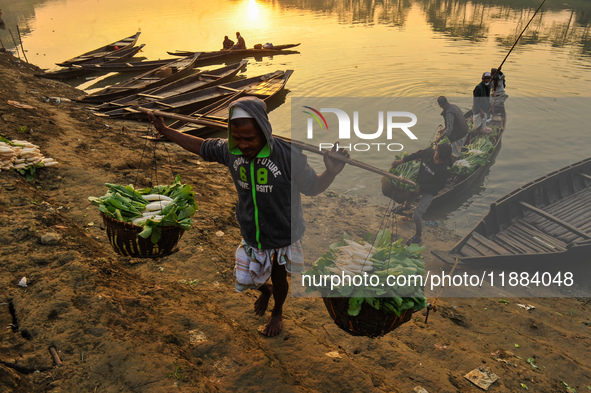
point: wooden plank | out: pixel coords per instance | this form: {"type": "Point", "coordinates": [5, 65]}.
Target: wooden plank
{"type": "Point", "coordinates": [469, 251]}
{"type": "Point", "coordinates": [150, 96]}
{"type": "Point", "coordinates": [556, 220]}
{"type": "Point", "coordinates": [554, 242]}
{"type": "Point", "coordinates": [164, 104]}
{"type": "Point", "coordinates": [502, 238]}
{"type": "Point", "coordinates": [570, 205]}
{"type": "Point", "coordinates": [529, 240]}
{"type": "Point", "coordinates": [490, 244]}
{"type": "Point", "coordinates": [475, 244]}
{"type": "Point", "coordinates": [229, 88]}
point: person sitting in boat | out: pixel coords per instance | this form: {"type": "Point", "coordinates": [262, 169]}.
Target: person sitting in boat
{"type": "Point", "coordinates": [498, 96]}
{"type": "Point", "coordinates": [481, 104]}
{"type": "Point", "coordinates": [228, 43]}
{"type": "Point", "coordinates": [240, 44]}
{"type": "Point", "coordinates": [456, 127]}
{"type": "Point", "coordinates": [433, 174]}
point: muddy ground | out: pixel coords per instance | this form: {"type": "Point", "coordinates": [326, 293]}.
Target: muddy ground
{"type": "Point", "coordinates": [121, 324]}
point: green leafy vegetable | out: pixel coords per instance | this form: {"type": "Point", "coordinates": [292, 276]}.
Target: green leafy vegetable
{"type": "Point", "coordinates": [124, 203]}
{"type": "Point", "coordinates": [380, 261]}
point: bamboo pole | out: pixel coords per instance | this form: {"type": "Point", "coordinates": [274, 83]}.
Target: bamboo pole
{"type": "Point", "coordinates": [21, 41]}
{"type": "Point", "coordinates": [517, 40]}
{"type": "Point", "coordinates": [299, 144]}
{"type": "Point", "coordinates": [15, 44]}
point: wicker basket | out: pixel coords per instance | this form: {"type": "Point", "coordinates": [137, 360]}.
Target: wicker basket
{"type": "Point", "coordinates": [370, 322]}
{"type": "Point", "coordinates": [395, 193]}
{"type": "Point", "coordinates": [125, 240]}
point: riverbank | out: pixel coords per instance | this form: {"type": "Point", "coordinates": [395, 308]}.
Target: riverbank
{"type": "Point", "coordinates": [176, 324]}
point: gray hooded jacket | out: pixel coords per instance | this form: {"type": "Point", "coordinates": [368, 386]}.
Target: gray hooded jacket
{"type": "Point", "coordinates": [269, 208]}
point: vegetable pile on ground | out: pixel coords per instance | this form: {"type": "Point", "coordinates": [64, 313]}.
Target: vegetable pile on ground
{"type": "Point", "coordinates": [409, 170]}
{"type": "Point", "coordinates": [473, 156]}
{"type": "Point", "coordinates": [153, 208]}
{"type": "Point", "coordinates": [383, 275]}
{"type": "Point", "coordinates": [23, 157]}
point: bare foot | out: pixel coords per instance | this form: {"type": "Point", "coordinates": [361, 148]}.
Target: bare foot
{"type": "Point", "coordinates": [261, 304]}
{"type": "Point", "coordinates": [274, 326]}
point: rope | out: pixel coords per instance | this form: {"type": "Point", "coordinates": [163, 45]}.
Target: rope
{"type": "Point", "coordinates": [154, 172]}
{"type": "Point", "coordinates": [431, 306]}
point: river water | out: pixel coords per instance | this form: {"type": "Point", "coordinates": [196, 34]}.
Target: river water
{"type": "Point", "coordinates": [410, 50]}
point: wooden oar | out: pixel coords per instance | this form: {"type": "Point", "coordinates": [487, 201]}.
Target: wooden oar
{"type": "Point", "coordinates": [301, 145]}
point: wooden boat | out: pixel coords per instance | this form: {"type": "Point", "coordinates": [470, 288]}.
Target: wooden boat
{"type": "Point", "coordinates": [192, 101]}
{"type": "Point", "coordinates": [184, 85]}
{"type": "Point", "coordinates": [142, 66]}
{"type": "Point", "coordinates": [270, 86]}
{"type": "Point", "coordinates": [75, 70]}
{"type": "Point", "coordinates": [546, 220]}
{"type": "Point", "coordinates": [222, 54]}
{"type": "Point", "coordinates": [102, 51]}
{"type": "Point", "coordinates": [157, 77]}
{"type": "Point", "coordinates": [456, 184]}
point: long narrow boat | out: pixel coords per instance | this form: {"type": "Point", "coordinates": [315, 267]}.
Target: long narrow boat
{"type": "Point", "coordinates": [102, 51]}
{"type": "Point", "coordinates": [218, 111]}
{"type": "Point", "coordinates": [192, 101]}
{"type": "Point", "coordinates": [148, 80]}
{"type": "Point", "coordinates": [184, 85]}
{"type": "Point", "coordinates": [75, 70]}
{"type": "Point", "coordinates": [456, 184]}
{"type": "Point", "coordinates": [277, 49]}
{"type": "Point", "coordinates": [128, 66]}
{"type": "Point", "coordinates": [546, 220]}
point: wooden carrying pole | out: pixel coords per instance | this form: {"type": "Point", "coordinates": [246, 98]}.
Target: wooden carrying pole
{"type": "Point", "coordinates": [302, 145]}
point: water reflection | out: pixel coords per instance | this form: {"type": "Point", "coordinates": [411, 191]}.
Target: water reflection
{"type": "Point", "coordinates": [557, 24]}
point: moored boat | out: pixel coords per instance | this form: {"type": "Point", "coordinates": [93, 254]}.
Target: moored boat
{"type": "Point", "coordinates": [102, 51]}
{"type": "Point", "coordinates": [128, 66]}
{"type": "Point", "coordinates": [269, 87]}
{"type": "Point", "coordinates": [222, 54]}
{"type": "Point", "coordinates": [76, 70]}
{"type": "Point", "coordinates": [546, 220]}
{"type": "Point", "coordinates": [199, 80]}
{"type": "Point", "coordinates": [157, 77]}
{"type": "Point", "coordinates": [260, 86]}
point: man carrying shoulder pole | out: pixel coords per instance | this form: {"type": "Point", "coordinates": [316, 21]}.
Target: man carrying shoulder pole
{"type": "Point", "coordinates": [269, 175]}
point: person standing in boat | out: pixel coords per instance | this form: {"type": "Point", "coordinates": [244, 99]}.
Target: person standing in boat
{"type": "Point", "coordinates": [240, 44]}
{"type": "Point", "coordinates": [433, 174]}
{"type": "Point", "coordinates": [228, 43]}
{"type": "Point", "coordinates": [456, 127]}
{"type": "Point", "coordinates": [269, 175]}
{"type": "Point", "coordinates": [481, 104]}
{"type": "Point", "coordinates": [498, 96]}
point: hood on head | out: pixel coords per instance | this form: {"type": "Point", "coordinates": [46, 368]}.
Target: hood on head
{"type": "Point", "coordinates": [258, 110]}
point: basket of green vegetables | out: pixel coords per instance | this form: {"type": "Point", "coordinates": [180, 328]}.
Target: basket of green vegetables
{"type": "Point", "coordinates": [396, 190]}
{"type": "Point", "coordinates": [376, 302]}
{"type": "Point", "coordinates": [146, 222]}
